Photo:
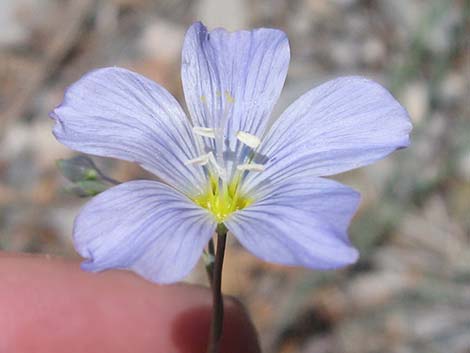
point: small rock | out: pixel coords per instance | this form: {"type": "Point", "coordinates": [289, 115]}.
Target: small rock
{"type": "Point", "coordinates": [34, 137]}
{"type": "Point", "coordinates": [162, 40]}
{"type": "Point", "coordinates": [415, 98]}
{"type": "Point", "coordinates": [321, 8]}
{"type": "Point", "coordinates": [373, 51]}
{"type": "Point", "coordinates": [231, 15]}
{"type": "Point", "coordinates": [378, 288]}
{"type": "Point", "coordinates": [452, 88]}
{"type": "Point", "coordinates": [463, 165]}
{"type": "Point", "coordinates": [344, 53]}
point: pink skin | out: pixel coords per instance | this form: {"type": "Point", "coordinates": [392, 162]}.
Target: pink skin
{"type": "Point", "coordinates": [51, 306]}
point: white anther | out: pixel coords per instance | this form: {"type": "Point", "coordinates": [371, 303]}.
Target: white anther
{"type": "Point", "coordinates": [251, 167]}
{"type": "Point", "coordinates": [204, 131]}
{"type": "Point", "coordinates": [201, 160]}
{"type": "Point", "coordinates": [248, 139]}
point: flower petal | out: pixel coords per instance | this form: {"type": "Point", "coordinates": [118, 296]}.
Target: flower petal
{"type": "Point", "coordinates": [343, 124]}
{"type": "Point", "coordinates": [145, 226]}
{"type": "Point", "coordinates": [117, 113]}
{"type": "Point", "coordinates": [237, 76]}
{"type": "Point", "coordinates": [301, 221]}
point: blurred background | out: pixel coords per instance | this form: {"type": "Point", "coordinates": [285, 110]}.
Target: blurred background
{"type": "Point", "coordinates": [410, 291]}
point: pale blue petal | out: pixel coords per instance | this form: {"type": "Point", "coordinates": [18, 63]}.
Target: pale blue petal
{"type": "Point", "coordinates": [233, 75]}
{"type": "Point", "coordinates": [301, 221]}
{"type": "Point", "coordinates": [114, 112]}
{"type": "Point", "coordinates": [144, 226]}
{"type": "Point", "coordinates": [343, 124]}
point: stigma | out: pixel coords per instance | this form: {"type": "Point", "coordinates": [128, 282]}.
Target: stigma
{"type": "Point", "coordinates": [222, 199]}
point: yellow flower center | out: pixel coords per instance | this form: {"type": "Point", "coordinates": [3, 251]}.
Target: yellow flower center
{"type": "Point", "coordinates": [222, 199]}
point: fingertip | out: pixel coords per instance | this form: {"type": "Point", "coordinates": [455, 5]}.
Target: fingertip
{"type": "Point", "coordinates": [244, 337]}
{"type": "Point", "coordinates": [190, 329]}
{"type": "Point", "coordinates": [113, 311]}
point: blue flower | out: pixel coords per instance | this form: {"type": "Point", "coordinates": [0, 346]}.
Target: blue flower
{"type": "Point", "coordinates": [225, 166]}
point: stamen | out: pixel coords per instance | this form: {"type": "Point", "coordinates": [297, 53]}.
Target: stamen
{"type": "Point", "coordinates": [248, 139]}
{"type": "Point", "coordinates": [221, 172]}
{"type": "Point", "coordinates": [201, 160]}
{"type": "Point", "coordinates": [204, 131]}
{"type": "Point", "coordinates": [251, 167]}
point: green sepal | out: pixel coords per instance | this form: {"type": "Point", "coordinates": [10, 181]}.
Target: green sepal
{"type": "Point", "coordinates": [87, 188]}
{"type": "Point", "coordinates": [78, 168]}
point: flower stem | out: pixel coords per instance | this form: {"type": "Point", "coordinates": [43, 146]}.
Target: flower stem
{"type": "Point", "coordinates": [209, 261]}
{"type": "Point", "coordinates": [217, 299]}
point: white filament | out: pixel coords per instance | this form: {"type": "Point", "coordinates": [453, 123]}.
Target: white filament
{"type": "Point", "coordinates": [220, 171]}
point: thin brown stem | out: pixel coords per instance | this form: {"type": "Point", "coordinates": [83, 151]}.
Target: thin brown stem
{"type": "Point", "coordinates": [217, 298]}
{"type": "Point", "coordinates": [210, 261]}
